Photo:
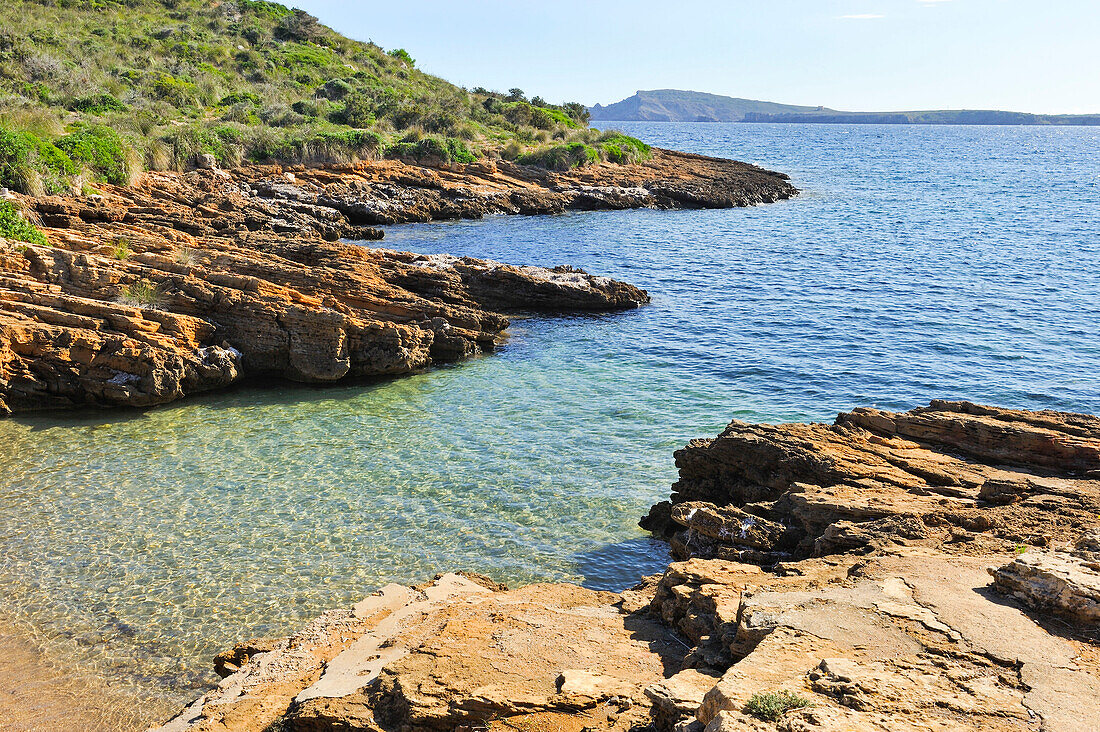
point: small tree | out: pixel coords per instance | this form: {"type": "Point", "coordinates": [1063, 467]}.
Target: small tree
{"type": "Point", "coordinates": [402, 55]}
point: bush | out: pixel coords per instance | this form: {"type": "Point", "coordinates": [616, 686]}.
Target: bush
{"type": "Point", "coordinates": [402, 55]}
{"type": "Point", "coordinates": [102, 150]}
{"type": "Point", "coordinates": [358, 111]}
{"type": "Point", "coordinates": [13, 226]}
{"type": "Point", "coordinates": [623, 149]}
{"type": "Point", "coordinates": [446, 150]}
{"type": "Point", "coordinates": [298, 25]}
{"type": "Point", "coordinates": [188, 144]}
{"type": "Point", "coordinates": [177, 92]}
{"type": "Point", "coordinates": [98, 104]}
{"type": "Point", "coordinates": [34, 166]}
{"type": "Point", "coordinates": [335, 89]}
{"type": "Point", "coordinates": [240, 98]}
{"type": "Point", "coordinates": [772, 705]}
{"type": "Point", "coordinates": [562, 157]}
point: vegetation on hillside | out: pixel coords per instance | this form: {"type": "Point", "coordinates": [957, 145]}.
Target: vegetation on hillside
{"type": "Point", "coordinates": [96, 90]}
{"type": "Point", "coordinates": [16, 228]}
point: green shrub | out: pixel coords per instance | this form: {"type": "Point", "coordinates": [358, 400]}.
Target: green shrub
{"type": "Point", "coordinates": [772, 705]}
{"type": "Point", "coordinates": [101, 149]}
{"type": "Point", "coordinates": [562, 157]}
{"type": "Point", "coordinates": [358, 111]}
{"type": "Point", "coordinates": [264, 9]}
{"type": "Point", "coordinates": [623, 149]}
{"type": "Point", "coordinates": [335, 89]}
{"type": "Point", "coordinates": [177, 92]}
{"type": "Point", "coordinates": [240, 98]}
{"type": "Point", "coordinates": [458, 152]}
{"type": "Point", "coordinates": [34, 166]}
{"type": "Point", "coordinates": [98, 104]}
{"type": "Point", "coordinates": [446, 150]}
{"type": "Point", "coordinates": [13, 226]}
{"type": "Point", "coordinates": [402, 55]}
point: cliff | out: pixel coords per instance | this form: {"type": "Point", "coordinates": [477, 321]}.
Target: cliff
{"type": "Point", "coordinates": [189, 282]}
{"type": "Point", "coordinates": [937, 569]}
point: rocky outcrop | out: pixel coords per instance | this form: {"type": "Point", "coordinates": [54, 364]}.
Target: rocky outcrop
{"type": "Point", "coordinates": [185, 283]}
{"type": "Point", "coordinates": [1059, 583]}
{"type": "Point", "coordinates": [391, 192]}
{"type": "Point", "coordinates": [980, 478]}
{"type": "Point", "coordinates": [880, 615]}
{"type": "Point", "coordinates": [452, 654]}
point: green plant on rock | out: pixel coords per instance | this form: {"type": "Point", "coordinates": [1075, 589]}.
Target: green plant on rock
{"type": "Point", "coordinates": [16, 228]}
{"type": "Point", "coordinates": [142, 294]}
{"type": "Point", "coordinates": [772, 705]}
{"type": "Point", "coordinates": [121, 249]}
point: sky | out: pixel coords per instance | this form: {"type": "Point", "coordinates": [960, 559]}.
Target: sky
{"type": "Point", "coordinates": [865, 55]}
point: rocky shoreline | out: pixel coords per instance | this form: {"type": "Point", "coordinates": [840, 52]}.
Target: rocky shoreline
{"type": "Point", "coordinates": [189, 282]}
{"type": "Point", "coordinates": [937, 569]}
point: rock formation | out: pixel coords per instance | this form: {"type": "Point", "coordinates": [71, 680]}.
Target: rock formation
{"type": "Point", "coordinates": [185, 283]}
{"type": "Point", "coordinates": [830, 578]}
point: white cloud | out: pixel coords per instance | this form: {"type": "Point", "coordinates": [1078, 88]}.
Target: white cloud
{"type": "Point", "coordinates": [862, 16]}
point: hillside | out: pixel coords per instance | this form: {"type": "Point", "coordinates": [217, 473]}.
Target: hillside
{"type": "Point", "coordinates": [97, 91]}
{"type": "Point", "coordinates": [672, 105]}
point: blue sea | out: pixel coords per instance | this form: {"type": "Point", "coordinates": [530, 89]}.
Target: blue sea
{"type": "Point", "coordinates": [918, 263]}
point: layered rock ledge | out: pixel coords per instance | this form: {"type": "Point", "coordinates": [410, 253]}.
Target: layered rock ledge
{"type": "Point", "coordinates": [185, 283]}
{"type": "Point", "coordinates": [930, 570]}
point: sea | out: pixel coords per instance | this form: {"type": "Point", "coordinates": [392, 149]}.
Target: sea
{"type": "Point", "coordinates": [918, 263]}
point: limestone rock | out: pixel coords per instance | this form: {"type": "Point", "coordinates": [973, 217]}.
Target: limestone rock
{"type": "Point", "coordinates": [448, 654]}
{"type": "Point", "coordinates": [1055, 582]}
{"type": "Point", "coordinates": [186, 283]}
{"type": "Point", "coordinates": [878, 478]}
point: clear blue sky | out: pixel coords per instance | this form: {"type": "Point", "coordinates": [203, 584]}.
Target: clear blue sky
{"type": "Point", "coordinates": [1022, 55]}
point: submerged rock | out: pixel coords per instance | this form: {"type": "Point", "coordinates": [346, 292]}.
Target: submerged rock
{"type": "Point", "coordinates": [882, 617]}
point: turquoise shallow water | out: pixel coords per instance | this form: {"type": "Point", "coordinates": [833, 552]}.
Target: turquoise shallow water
{"type": "Point", "coordinates": [920, 262]}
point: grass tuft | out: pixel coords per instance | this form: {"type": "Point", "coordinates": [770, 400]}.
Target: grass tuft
{"type": "Point", "coordinates": [121, 249]}
{"type": "Point", "coordinates": [142, 294]}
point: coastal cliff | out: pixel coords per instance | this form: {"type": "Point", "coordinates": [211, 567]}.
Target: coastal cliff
{"type": "Point", "coordinates": [937, 569]}
{"type": "Point", "coordinates": [189, 282]}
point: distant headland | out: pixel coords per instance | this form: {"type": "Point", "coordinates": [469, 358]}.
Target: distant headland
{"type": "Point", "coordinates": [674, 105]}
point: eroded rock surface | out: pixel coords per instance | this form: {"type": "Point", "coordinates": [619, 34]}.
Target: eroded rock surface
{"type": "Point", "coordinates": [880, 614]}
{"type": "Point", "coordinates": [453, 653]}
{"type": "Point", "coordinates": [185, 283]}
{"type": "Point", "coordinates": [953, 473]}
